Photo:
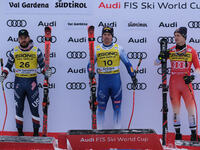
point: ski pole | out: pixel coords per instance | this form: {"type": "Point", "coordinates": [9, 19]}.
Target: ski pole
{"type": "Point", "coordinates": [186, 73]}
{"type": "Point", "coordinates": [4, 95]}
{"type": "Point", "coordinates": [134, 94]}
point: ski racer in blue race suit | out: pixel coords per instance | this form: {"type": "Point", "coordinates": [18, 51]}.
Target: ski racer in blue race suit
{"type": "Point", "coordinates": [108, 56]}
{"type": "Point", "coordinates": [26, 58]}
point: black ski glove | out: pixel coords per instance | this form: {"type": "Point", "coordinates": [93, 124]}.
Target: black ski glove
{"type": "Point", "coordinates": [188, 79]}
{"type": "Point", "coordinates": [164, 55]}
{"type": "Point", "coordinates": [134, 79]}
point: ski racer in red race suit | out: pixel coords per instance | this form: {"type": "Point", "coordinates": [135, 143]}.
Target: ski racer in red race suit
{"type": "Point", "coordinates": [181, 58]}
{"type": "Point", "coordinates": [26, 58]}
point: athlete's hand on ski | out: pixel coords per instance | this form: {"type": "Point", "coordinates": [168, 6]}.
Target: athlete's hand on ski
{"type": "Point", "coordinates": [48, 72]}
{"type": "Point", "coordinates": [134, 79]}
{"type": "Point", "coordinates": [164, 55]}
{"type": "Point", "coordinates": [188, 79]}
{"type": "Point", "coordinates": [3, 76]}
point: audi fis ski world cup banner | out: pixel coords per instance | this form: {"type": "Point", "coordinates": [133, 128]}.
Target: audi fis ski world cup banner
{"type": "Point", "coordinates": [138, 28]}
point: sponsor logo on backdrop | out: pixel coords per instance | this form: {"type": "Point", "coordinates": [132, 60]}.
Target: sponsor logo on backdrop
{"type": "Point", "coordinates": [45, 24]}
{"type": "Point", "coordinates": [148, 5]}
{"type": "Point", "coordinates": [139, 86]}
{"type": "Point", "coordinates": [170, 39]}
{"type": "Point", "coordinates": [72, 4]}
{"type": "Point", "coordinates": [138, 40]}
{"type": "Point", "coordinates": [16, 23]}
{"type": "Point", "coordinates": [28, 5]}
{"type": "Point", "coordinates": [52, 55]}
{"type": "Point", "coordinates": [75, 85]}
{"type": "Point", "coordinates": [137, 55]}
{"type": "Point", "coordinates": [137, 24]}
{"type": "Point", "coordinates": [194, 40]}
{"type": "Point", "coordinates": [100, 40]}
{"type": "Point", "coordinates": [80, 25]}
{"type": "Point", "coordinates": [12, 39]}
{"type": "Point", "coordinates": [53, 69]}
{"type": "Point", "coordinates": [194, 24]}
{"type": "Point", "coordinates": [73, 70]}
{"type": "Point", "coordinates": [111, 24]}
{"type": "Point", "coordinates": [163, 24]}
{"type": "Point", "coordinates": [159, 70]}
{"type": "Point", "coordinates": [115, 5]}
{"type": "Point", "coordinates": [10, 85]}
{"type": "Point", "coordinates": [41, 39]}
{"type": "Point", "coordinates": [141, 71]}
{"type": "Point", "coordinates": [77, 40]}
{"type": "Point", "coordinates": [76, 55]}
{"type": "Point", "coordinates": [196, 86]}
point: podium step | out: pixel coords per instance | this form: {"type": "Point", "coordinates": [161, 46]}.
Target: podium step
{"type": "Point", "coordinates": [111, 139]}
{"type": "Point", "coordinates": [27, 143]}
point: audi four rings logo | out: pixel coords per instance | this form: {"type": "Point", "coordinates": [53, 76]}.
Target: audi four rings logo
{"type": "Point", "coordinates": [137, 55]}
{"type": "Point", "coordinates": [196, 86]}
{"type": "Point", "coordinates": [9, 85]}
{"type": "Point", "coordinates": [41, 39]}
{"type": "Point", "coordinates": [159, 70]}
{"type": "Point", "coordinates": [170, 39]}
{"type": "Point", "coordinates": [99, 39]}
{"type": "Point", "coordinates": [16, 23]}
{"type": "Point", "coordinates": [139, 86]}
{"type": "Point", "coordinates": [75, 85]}
{"type": "Point", "coordinates": [198, 54]}
{"type": "Point", "coordinates": [53, 69]}
{"type": "Point", "coordinates": [76, 55]}
{"type": "Point", "coordinates": [194, 24]}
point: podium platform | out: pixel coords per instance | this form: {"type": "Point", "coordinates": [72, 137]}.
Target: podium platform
{"type": "Point", "coordinates": [110, 139]}
{"type": "Point", "coordinates": [27, 143]}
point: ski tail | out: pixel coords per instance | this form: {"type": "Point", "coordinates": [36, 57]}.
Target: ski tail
{"type": "Point", "coordinates": [4, 95]}
{"type": "Point", "coordinates": [93, 102]}
{"type": "Point", "coordinates": [140, 60]}
{"type": "Point", "coordinates": [45, 102]}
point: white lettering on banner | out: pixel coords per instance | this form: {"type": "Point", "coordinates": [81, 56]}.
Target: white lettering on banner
{"type": "Point", "coordinates": [142, 139]}
{"type": "Point", "coordinates": [87, 140]}
{"type": "Point", "coordinates": [100, 139]}
{"type": "Point", "coordinates": [128, 139]}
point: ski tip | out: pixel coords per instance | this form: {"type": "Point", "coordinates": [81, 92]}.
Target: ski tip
{"type": "Point", "coordinates": [91, 28]}
{"type": "Point", "coordinates": [1, 59]}
{"type": "Point", "coordinates": [47, 29]}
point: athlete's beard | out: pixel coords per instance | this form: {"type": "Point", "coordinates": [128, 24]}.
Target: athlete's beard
{"type": "Point", "coordinates": [24, 46]}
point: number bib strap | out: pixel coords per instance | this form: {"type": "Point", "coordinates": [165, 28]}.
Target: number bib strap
{"type": "Point", "coordinates": [25, 62]}
{"type": "Point", "coordinates": [108, 61]}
